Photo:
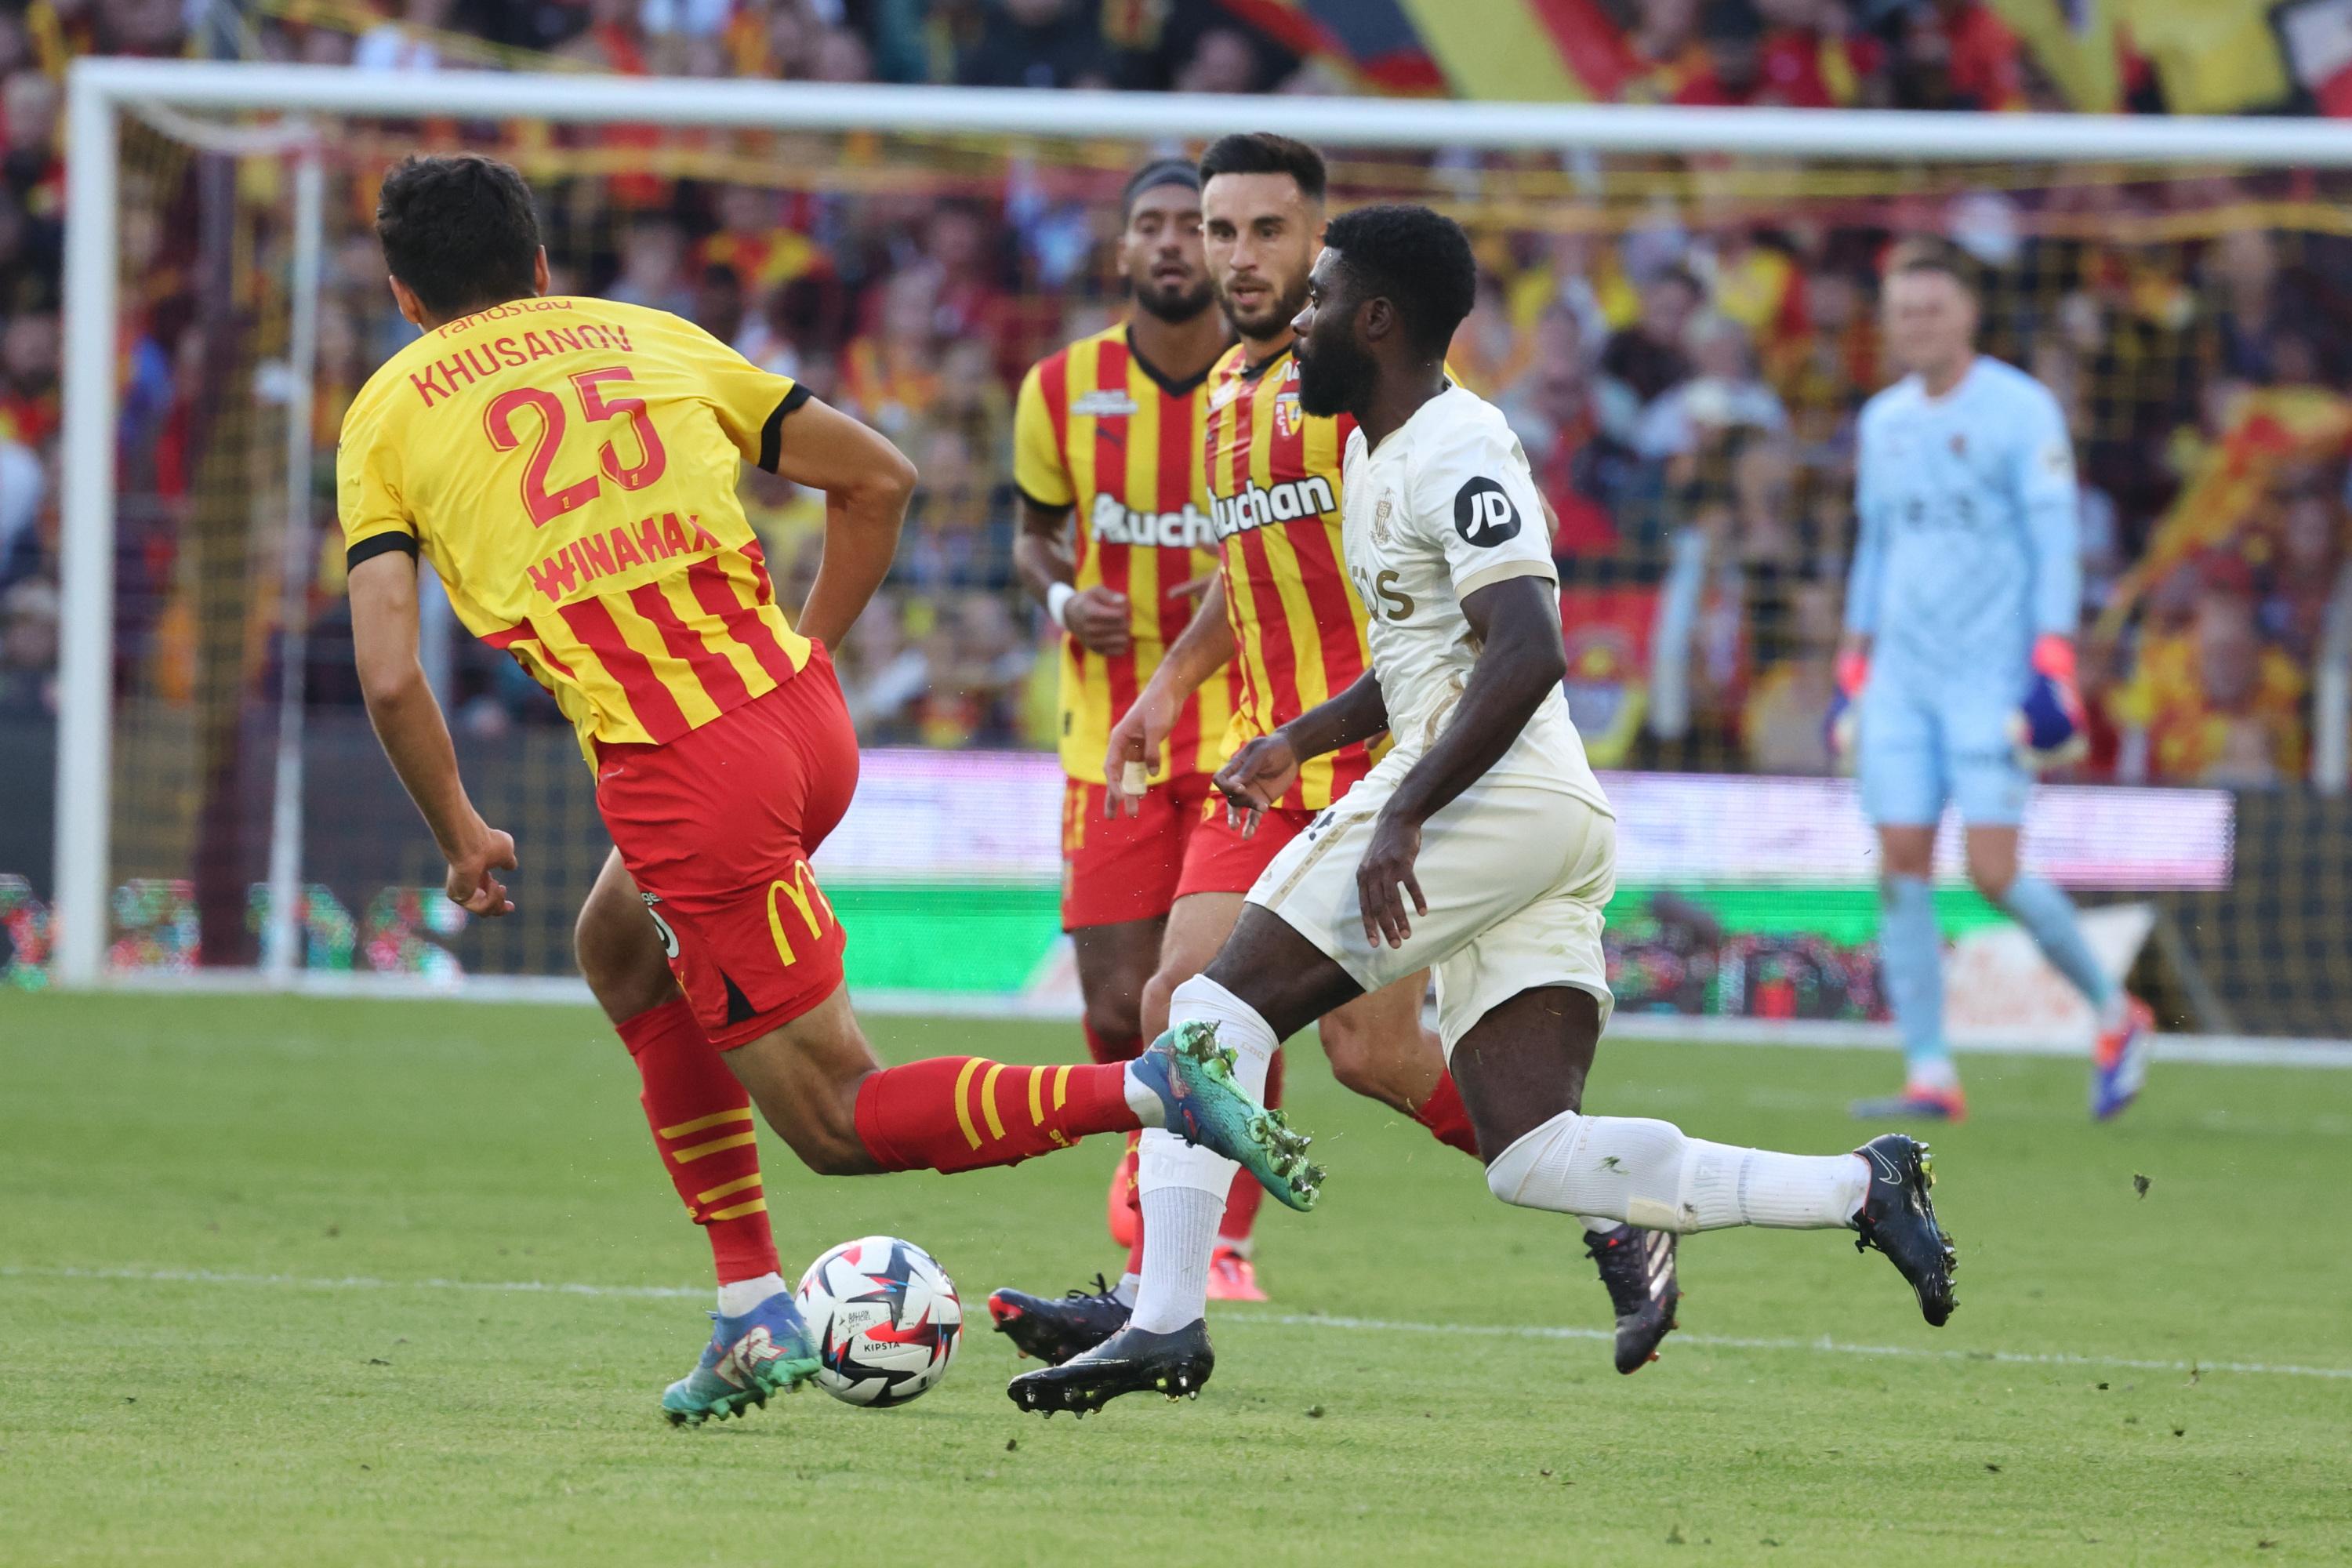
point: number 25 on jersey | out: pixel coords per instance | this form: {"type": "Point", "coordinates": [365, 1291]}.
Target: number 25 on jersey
{"type": "Point", "coordinates": [542, 503]}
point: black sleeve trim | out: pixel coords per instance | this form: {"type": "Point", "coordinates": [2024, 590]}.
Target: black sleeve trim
{"type": "Point", "coordinates": [1064, 508]}
{"type": "Point", "coordinates": [377, 544]}
{"type": "Point", "coordinates": [771, 434]}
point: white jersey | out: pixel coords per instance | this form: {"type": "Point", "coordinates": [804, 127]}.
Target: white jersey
{"type": "Point", "coordinates": [1445, 507]}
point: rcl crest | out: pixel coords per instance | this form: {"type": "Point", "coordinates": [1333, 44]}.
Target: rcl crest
{"type": "Point", "coordinates": [1288, 416]}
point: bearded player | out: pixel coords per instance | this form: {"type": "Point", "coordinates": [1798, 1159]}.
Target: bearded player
{"type": "Point", "coordinates": [569, 466]}
{"type": "Point", "coordinates": [1285, 617]}
{"type": "Point", "coordinates": [1109, 428]}
{"type": "Point", "coordinates": [1481, 845]}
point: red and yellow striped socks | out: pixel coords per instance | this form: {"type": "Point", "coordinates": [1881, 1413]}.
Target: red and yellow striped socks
{"type": "Point", "coordinates": [704, 1128]}
{"type": "Point", "coordinates": [962, 1114]}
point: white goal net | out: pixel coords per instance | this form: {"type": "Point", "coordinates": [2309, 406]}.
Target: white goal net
{"type": "Point", "coordinates": [222, 814]}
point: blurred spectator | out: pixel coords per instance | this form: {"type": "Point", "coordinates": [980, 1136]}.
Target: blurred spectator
{"type": "Point", "coordinates": [30, 103]}
{"type": "Point", "coordinates": [1722, 393]}
{"type": "Point", "coordinates": [28, 647]}
{"type": "Point", "coordinates": [752, 238]}
{"type": "Point", "coordinates": [28, 378]}
{"type": "Point", "coordinates": [1034, 43]}
{"type": "Point", "coordinates": [719, 303]}
{"type": "Point", "coordinates": [1222, 61]}
{"type": "Point", "coordinates": [2303, 576]}
{"type": "Point", "coordinates": [1958, 54]}
{"type": "Point", "coordinates": [406, 44]}
{"type": "Point", "coordinates": [2214, 704]}
{"type": "Point", "coordinates": [889, 376]}
{"type": "Point", "coordinates": [1584, 473]}
{"type": "Point", "coordinates": [882, 670]}
{"type": "Point", "coordinates": [1811, 58]}
{"type": "Point", "coordinates": [653, 259]}
{"type": "Point", "coordinates": [1643, 360]}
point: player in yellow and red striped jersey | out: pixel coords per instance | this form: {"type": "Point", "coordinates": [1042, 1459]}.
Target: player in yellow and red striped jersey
{"type": "Point", "coordinates": [1294, 628]}
{"type": "Point", "coordinates": [569, 466]}
{"type": "Point", "coordinates": [1115, 544]}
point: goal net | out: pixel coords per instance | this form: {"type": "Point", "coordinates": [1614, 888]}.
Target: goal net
{"type": "Point", "coordinates": [1677, 312]}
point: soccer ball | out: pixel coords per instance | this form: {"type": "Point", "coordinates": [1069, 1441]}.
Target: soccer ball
{"type": "Point", "coordinates": [886, 1318]}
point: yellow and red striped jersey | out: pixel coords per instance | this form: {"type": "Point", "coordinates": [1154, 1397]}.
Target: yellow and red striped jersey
{"type": "Point", "coordinates": [569, 468]}
{"type": "Point", "coordinates": [1274, 480]}
{"type": "Point", "coordinates": [1099, 429]}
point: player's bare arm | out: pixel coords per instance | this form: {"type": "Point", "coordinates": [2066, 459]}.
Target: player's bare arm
{"type": "Point", "coordinates": [408, 721]}
{"type": "Point", "coordinates": [1521, 661]}
{"type": "Point", "coordinates": [867, 483]}
{"type": "Point", "coordinates": [1263, 771]}
{"type": "Point", "coordinates": [1097, 616]}
{"type": "Point", "coordinates": [1204, 647]}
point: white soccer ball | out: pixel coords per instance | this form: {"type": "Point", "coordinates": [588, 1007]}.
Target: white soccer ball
{"type": "Point", "coordinates": [886, 1318]}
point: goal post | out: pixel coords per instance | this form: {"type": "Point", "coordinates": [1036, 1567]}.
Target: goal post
{"type": "Point", "coordinates": [267, 106]}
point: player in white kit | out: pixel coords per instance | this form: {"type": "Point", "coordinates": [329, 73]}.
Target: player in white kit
{"type": "Point", "coordinates": [1481, 846]}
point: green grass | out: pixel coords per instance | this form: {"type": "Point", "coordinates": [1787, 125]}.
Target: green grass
{"type": "Point", "coordinates": [282, 1419]}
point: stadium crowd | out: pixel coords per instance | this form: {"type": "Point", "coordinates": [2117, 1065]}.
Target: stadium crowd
{"type": "Point", "coordinates": [1683, 373]}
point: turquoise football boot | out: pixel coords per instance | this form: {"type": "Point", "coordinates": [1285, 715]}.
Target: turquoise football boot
{"type": "Point", "coordinates": [1193, 1077]}
{"type": "Point", "coordinates": [767, 1349]}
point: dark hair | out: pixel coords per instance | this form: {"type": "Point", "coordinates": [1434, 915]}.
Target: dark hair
{"type": "Point", "coordinates": [1263, 152]}
{"type": "Point", "coordinates": [460, 230]}
{"type": "Point", "coordinates": [1926, 254]}
{"type": "Point", "coordinates": [1417, 260]}
{"type": "Point", "coordinates": [1151, 176]}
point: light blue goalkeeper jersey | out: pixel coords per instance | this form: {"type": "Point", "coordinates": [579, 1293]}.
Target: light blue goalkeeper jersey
{"type": "Point", "coordinates": [1968, 544]}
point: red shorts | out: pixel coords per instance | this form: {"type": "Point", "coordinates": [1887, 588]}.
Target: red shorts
{"type": "Point", "coordinates": [1218, 860]}
{"type": "Point", "coordinates": [717, 827]}
{"type": "Point", "coordinates": [1120, 868]}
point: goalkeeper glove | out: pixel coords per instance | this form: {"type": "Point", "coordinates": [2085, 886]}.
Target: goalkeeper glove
{"type": "Point", "coordinates": [1852, 675]}
{"type": "Point", "coordinates": [2048, 726]}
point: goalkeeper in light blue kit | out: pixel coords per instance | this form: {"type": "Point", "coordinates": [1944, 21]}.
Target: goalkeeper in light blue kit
{"type": "Point", "coordinates": [1955, 676]}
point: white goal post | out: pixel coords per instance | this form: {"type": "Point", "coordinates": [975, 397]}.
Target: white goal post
{"type": "Point", "coordinates": [101, 90]}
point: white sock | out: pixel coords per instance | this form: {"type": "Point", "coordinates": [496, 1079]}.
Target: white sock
{"type": "Point", "coordinates": [737, 1297]}
{"type": "Point", "coordinates": [1599, 1227]}
{"type": "Point", "coordinates": [2113, 1010]}
{"type": "Point", "coordinates": [1180, 1235]}
{"type": "Point", "coordinates": [1143, 1099]}
{"type": "Point", "coordinates": [1649, 1173]}
{"type": "Point", "coordinates": [1124, 1291]}
{"type": "Point", "coordinates": [1933, 1073]}
{"type": "Point", "coordinates": [1180, 1188]}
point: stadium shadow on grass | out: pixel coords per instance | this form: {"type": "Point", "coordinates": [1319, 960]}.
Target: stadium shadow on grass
{"type": "Point", "coordinates": [251, 1247]}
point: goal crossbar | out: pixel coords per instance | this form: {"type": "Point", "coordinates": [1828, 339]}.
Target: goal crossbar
{"type": "Point", "coordinates": [100, 90]}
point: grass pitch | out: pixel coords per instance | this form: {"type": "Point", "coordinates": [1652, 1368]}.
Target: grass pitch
{"type": "Point", "coordinates": [263, 1267]}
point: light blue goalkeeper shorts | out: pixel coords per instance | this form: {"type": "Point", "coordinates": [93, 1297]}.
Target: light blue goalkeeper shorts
{"type": "Point", "coordinates": [1917, 750]}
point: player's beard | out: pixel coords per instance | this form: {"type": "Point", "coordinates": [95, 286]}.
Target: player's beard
{"type": "Point", "coordinates": [1333, 377]}
{"type": "Point", "coordinates": [1268, 321]}
{"type": "Point", "coordinates": [1174, 306]}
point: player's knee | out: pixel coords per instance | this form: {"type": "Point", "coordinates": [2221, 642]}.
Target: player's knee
{"type": "Point", "coordinates": [1118, 1017]}
{"type": "Point", "coordinates": [1993, 876]}
{"type": "Point", "coordinates": [1152, 1006]}
{"type": "Point", "coordinates": [1359, 1064]}
{"type": "Point", "coordinates": [823, 1132]}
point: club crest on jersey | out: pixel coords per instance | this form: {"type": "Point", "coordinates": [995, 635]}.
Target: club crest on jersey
{"type": "Point", "coordinates": [1260, 505]}
{"type": "Point", "coordinates": [1109, 403]}
{"type": "Point", "coordinates": [1381, 534]}
{"type": "Point", "coordinates": [1288, 415]}
{"type": "Point", "coordinates": [1959, 445]}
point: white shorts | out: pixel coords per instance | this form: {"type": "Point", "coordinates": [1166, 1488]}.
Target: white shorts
{"type": "Point", "coordinates": [1517, 877]}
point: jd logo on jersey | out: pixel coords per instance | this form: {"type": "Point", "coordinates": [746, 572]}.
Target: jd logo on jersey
{"type": "Point", "coordinates": [1483, 515]}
